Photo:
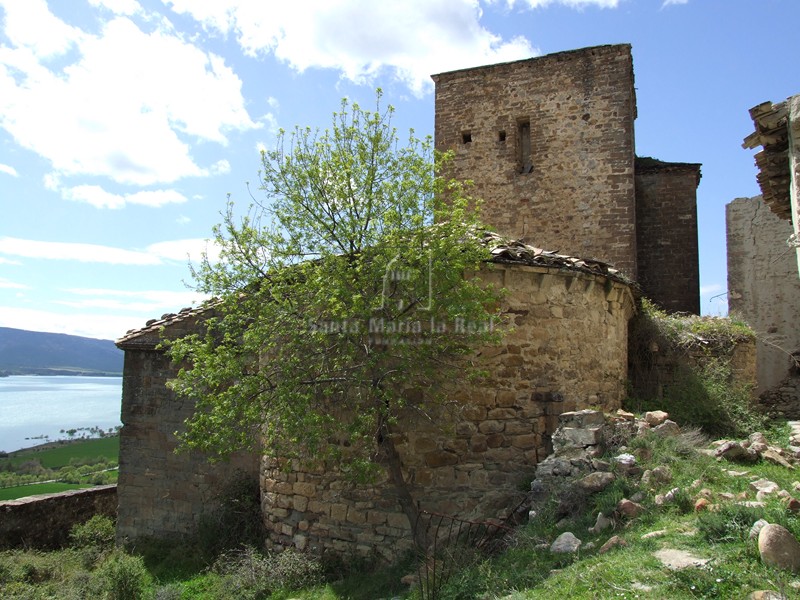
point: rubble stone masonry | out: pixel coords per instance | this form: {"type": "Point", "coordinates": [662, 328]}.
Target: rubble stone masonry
{"type": "Point", "coordinates": [666, 234]}
{"type": "Point", "coordinates": [549, 145]}
{"type": "Point", "coordinates": [162, 493]}
{"type": "Point", "coordinates": [567, 350]}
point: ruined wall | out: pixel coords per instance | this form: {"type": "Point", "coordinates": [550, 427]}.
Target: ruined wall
{"type": "Point", "coordinates": [549, 143]}
{"type": "Point", "coordinates": [162, 493]}
{"type": "Point", "coordinates": [44, 521]}
{"type": "Point", "coordinates": [666, 234]}
{"type": "Point", "coordinates": [763, 287]}
{"type": "Point", "coordinates": [567, 351]}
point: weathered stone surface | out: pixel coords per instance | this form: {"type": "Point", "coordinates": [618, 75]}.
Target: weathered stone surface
{"type": "Point", "coordinates": [668, 428]}
{"type": "Point", "coordinates": [771, 456]}
{"type": "Point", "coordinates": [613, 542]}
{"type": "Point", "coordinates": [756, 529]}
{"type": "Point", "coordinates": [602, 522]}
{"type": "Point", "coordinates": [566, 543]}
{"type": "Point", "coordinates": [679, 559]}
{"type": "Point", "coordinates": [44, 521]}
{"type": "Point", "coordinates": [629, 509]}
{"type": "Point", "coordinates": [765, 486]}
{"type": "Point", "coordinates": [654, 418]}
{"type": "Point", "coordinates": [735, 452]}
{"type": "Point", "coordinates": [779, 548]}
{"type": "Point", "coordinates": [596, 482]}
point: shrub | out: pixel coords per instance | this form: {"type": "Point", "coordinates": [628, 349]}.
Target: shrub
{"type": "Point", "coordinates": [701, 391]}
{"type": "Point", "coordinates": [247, 573]}
{"type": "Point", "coordinates": [123, 577]}
{"type": "Point", "coordinates": [237, 520]}
{"type": "Point", "coordinates": [93, 539]}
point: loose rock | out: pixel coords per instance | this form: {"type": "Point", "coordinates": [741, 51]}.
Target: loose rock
{"type": "Point", "coordinates": [566, 543]}
{"type": "Point", "coordinates": [756, 529]}
{"type": "Point", "coordinates": [613, 542]}
{"type": "Point", "coordinates": [629, 509]}
{"type": "Point", "coordinates": [654, 418]}
{"type": "Point", "coordinates": [596, 482]}
{"type": "Point", "coordinates": [779, 548]}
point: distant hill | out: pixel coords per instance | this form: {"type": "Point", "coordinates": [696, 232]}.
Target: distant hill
{"type": "Point", "coordinates": [36, 353]}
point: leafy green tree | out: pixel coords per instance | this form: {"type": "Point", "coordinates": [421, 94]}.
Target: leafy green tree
{"type": "Point", "coordinates": [343, 299]}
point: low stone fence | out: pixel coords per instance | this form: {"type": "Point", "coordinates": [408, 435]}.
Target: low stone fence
{"type": "Point", "coordinates": [45, 521]}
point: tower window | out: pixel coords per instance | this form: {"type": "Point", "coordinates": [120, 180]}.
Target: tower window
{"type": "Point", "coordinates": [524, 135]}
{"type": "Point", "coordinates": [466, 137]}
{"type": "Point", "coordinates": [501, 135]}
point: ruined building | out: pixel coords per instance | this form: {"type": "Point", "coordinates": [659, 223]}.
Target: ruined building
{"type": "Point", "coordinates": [549, 144]}
{"type": "Point", "coordinates": [764, 255]}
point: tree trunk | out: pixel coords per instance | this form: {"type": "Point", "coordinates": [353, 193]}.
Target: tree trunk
{"type": "Point", "coordinates": [394, 468]}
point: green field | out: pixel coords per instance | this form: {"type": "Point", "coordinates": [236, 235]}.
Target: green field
{"type": "Point", "coordinates": [69, 465]}
{"type": "Point", "coordinates": [54, 457]}
{"type": "Point", "coordinates": [22, 491]}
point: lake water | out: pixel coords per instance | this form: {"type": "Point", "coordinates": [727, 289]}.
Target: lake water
{"type": "Point", "coordinates": [32, 406]}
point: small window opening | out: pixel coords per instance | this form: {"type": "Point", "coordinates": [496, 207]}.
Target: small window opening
{"type": "Point", "coordinates": [501, 135]}
{"type": "Point", "coordinates": [466, 137]}
{"type": "Point", "coordinates": [524, 133]}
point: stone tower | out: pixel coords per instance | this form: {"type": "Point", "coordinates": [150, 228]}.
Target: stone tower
{"type": "Point", "coordinates": [549, 145]}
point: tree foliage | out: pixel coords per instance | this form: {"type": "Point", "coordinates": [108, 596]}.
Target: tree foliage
{"type": "Point", "coordinates": [343, 298]}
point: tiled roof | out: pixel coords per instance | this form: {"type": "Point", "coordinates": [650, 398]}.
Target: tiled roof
{"type": "Point", "coordinates": [504, 251]}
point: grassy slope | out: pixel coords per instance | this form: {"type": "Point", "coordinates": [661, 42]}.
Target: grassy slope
{"type": "Point", "coordinates": [22, 491]}
{"type": "Point", "coordinates": [59, 455]}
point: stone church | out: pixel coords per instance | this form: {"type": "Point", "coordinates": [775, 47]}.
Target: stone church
{"type": "Point", "coordinates": [549, 144]}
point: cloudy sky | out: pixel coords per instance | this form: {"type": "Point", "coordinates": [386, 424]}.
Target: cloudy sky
{"type": "Point", "coordinates": [124, 124]}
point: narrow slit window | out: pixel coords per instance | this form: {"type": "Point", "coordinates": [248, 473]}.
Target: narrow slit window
{"type": "Point", "coordinates": [524, 133]}
{"type": "Point", "coordinates": [501, 135]}
{"type": "Point", "coordinates": [466, 137]}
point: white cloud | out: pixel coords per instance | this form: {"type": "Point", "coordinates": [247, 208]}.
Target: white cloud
{"type": "Point", "coordinates": [712, 288]}
{"type": "Point", "coordinates": [154, 254]}
{"type": "Point", "coordinates": [578, 4]}
{"type": "Point", "coordinates": [91, 253]}
{"type": "Point", "coordinates": [126, 108]}
{"type": "Point", "coordinates": [100, 198]}
{"type": "Point", "coordinates": [7, 261]}
{"type": "Point", "coordinates": [185, 250]}
{"type": "Point", "coordinates": [29, 24]}
{"type": "Point", "coordinates": [11, 285]}
{"type": "Point", "coordinates": [8, 170]}
{"type": "Point", "coordinates": [362, 38]}
{"type": "Point", "coordinates": [118, 7]}
{"type": "Point", "coordinates": [88, 324]}
{"type": "Point", "coordinates": [668, 2]}
{"type": "Point", "coordinates": [151, 302]}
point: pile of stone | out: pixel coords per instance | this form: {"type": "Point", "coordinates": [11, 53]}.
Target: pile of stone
{"type": "Point", "coordinates": [575, 468]}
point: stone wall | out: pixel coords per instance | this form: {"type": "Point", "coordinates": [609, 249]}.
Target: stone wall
{"type": "Point", "coordinates": [163, 493]}
{"type": "Point", "coordinates": [45, 521]}
{"type": "Point", "coordinates": [666, 234]}
{"type": "Point", "coordinates": [549, 145]}
{"type": "Point", "coordinates": [567, 351]}
{"type": "Point", "coordinates": [763, 287]}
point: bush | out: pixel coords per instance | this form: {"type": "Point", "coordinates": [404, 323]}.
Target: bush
{"type": "Point", "coordinates": [93, 539]}
{"type": "Point", "coordinates": [237, 520]}
{"type": "Point", "coordinates": [123, 577]}
{"type": "Point", "coordinates": [702, 391]}
{"type": "Point", "coordinates": [247, 573]}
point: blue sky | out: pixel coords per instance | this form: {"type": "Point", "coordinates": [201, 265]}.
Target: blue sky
{"type": "Point", "coordinates": [124, 124]}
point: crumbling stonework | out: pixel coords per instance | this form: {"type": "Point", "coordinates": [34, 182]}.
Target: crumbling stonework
{"type": "Point", "coordinates": [44, 521]}
{"type": "Point", "coordinates": [471, 461]}
{"type": "Point", "coordinates": [764, 290]}
{"type": "Point", "coordinates": [549, 143]}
